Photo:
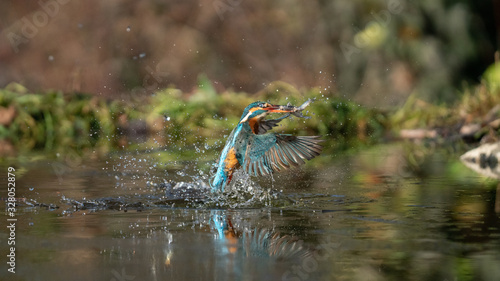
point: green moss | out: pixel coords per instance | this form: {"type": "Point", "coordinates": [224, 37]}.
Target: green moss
{"type": "Point", "coordinates": [52, 120]}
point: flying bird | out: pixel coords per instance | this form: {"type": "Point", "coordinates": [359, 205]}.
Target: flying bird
{"type": "Point", "coordinates": [260, 153]}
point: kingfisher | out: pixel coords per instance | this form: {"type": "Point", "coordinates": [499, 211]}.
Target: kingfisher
{"type": "Point", "coordinates": [261, 153]}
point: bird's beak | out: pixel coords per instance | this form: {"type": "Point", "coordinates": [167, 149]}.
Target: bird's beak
{"type": "Point", "coordinates": [272, 108]}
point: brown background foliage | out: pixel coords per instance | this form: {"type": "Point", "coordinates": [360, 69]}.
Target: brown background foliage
{"type": "Point", "coordinates": [115, 47]}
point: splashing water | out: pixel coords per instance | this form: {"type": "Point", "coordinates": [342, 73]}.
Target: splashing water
{"type": "Point", "coordinates": [143, 180]}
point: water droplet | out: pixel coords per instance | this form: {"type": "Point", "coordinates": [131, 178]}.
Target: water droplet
{"type": "Point", "coordinates": [51, 58]}
{"type": "Point", "coordinates": [128, 28]}
{"type": "Point", "coordinates": [142, 55]}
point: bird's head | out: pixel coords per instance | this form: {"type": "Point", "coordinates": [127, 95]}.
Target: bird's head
{"type": "Point", "coordinates": [258, 110]}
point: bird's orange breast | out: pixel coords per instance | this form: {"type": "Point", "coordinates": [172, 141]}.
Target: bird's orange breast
{"type": "Point", "coordinates": [231, 161]}
{"type": "Point", "coordinates": [254, 124]}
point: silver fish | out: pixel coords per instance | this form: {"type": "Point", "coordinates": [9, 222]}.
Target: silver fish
{"type": "Point", "coordinates": [296, 110]}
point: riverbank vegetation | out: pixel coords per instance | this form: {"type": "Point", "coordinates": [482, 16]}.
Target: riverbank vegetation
{"type": "Point", "coordinates": [54, 121]}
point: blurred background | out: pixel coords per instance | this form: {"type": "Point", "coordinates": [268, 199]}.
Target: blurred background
{"type": "Point", "coordinates": [110, 105]}
{"type": "Point", "coordinates": [375, 52]}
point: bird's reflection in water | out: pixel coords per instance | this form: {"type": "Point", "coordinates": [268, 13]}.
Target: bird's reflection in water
{"type": "Point", "coordinates": [259, 242]}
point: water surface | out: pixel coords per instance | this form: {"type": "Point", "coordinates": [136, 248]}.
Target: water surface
{"type": "Point", "coordinates": [391, 212]}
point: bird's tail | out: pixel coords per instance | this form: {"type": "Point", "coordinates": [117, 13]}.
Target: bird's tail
{"type": "Point", "coordinates": [219, 181]}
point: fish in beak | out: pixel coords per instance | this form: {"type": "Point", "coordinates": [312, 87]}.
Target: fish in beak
{"type": "Point", "coordinates": [294, 110]}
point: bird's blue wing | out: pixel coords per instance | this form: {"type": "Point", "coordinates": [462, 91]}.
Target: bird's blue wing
{"type": "Point", "coordinates": [269, 153]}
